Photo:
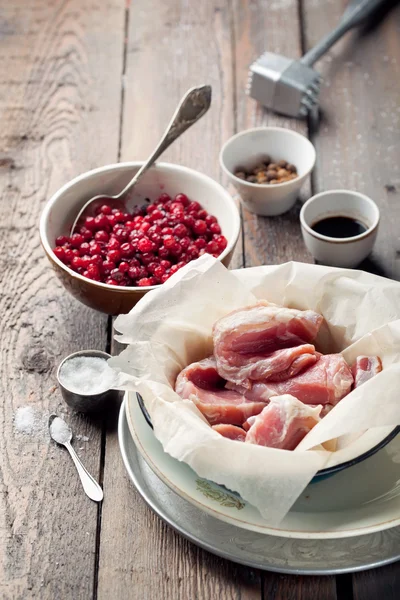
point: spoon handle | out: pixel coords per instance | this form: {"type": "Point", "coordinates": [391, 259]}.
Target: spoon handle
{"type": "Point", "coordinates": [192, 107]}
{"type": "Point", "coordinates": [90, 485]}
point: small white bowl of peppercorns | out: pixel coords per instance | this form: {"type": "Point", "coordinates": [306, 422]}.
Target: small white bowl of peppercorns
{"type": "Point", "coordinates": [117, 255]}
{"type": "Point", "coordinates": [268, 166]}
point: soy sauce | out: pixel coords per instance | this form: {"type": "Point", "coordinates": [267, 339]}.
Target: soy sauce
{"type": "Point", "coordinates": [339, 227]}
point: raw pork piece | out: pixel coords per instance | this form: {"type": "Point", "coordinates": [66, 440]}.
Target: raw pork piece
{"type": "Point", "coordinates": [326, 382]}
{"type": "Point", "coordinates": [365, 368]}
{"type": "Point", "coordinates": [201, 383]}
{"type": "Point", "coordinates": [259, 330]}
{"type": "Point", "coordinates": [248, 423]}
{"type": "Point", "coordinates": [277, 366]}
{"type": "Point", "coordinates": [202, 374]}
{"type": "Point", "coordinates": [283, 423]}
{"type": "Point", "coordinates": [231, 431]}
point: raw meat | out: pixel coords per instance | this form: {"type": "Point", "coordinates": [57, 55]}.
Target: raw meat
{"type": "Point", "coordinates": [365, 368]}
{"type": "Point", "coordinates": [283, 423]}
{"type": "Point", "coordinates": [245, 336]}
{"type": "Point", "coordinates": [326, 382]}
{"type": "Point", "coordinates": [248, 423]}
{"type": "Point", "coordinates": [277, 366]}
{"type": "Point", "coordinates": [231, 431]}
{"type": "Point", "coordinates": [201, 383]}
{"type": "Point", "coordinates": [202, 374]}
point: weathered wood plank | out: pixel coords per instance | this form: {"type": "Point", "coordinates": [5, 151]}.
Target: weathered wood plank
{"type": "Point", "coordinates": [59, 101]}
{"type": "Point", "coordinates": [273, 26]}
{"type": "Point", "coordinates": [171, 46]}
{"type": "Point", "coordinates": [358, 138]}
{"type": "Point", "coordinates": [377, 583]}
{"type": "Point", "coordinates": [357, 142]}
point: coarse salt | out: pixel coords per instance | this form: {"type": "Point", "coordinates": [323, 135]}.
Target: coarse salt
{"type": "Point", "coordinates": [87, 375]}
{"type": "Point", "coordinates": [29, 421]}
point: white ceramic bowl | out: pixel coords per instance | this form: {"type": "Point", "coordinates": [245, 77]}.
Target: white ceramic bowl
{"type": "Point", "coordinates": [339, 252]}
{"type": "Point", "coordinates": [60, 211]}
{"type": "Point", "coordinates": [247, 149]}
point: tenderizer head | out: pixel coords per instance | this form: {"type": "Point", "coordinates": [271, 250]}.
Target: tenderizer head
{"type": "Point", "coordinates": [284, 85]}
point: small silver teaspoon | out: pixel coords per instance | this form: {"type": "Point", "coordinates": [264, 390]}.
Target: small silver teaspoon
{"type": "Point", "coordinates": [192, 107]}
{"type": "Point", "coordinates": [62, 434]}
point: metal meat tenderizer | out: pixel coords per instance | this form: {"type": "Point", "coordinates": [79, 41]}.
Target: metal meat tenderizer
{"type": "Point", "coordinates": [291, 87]}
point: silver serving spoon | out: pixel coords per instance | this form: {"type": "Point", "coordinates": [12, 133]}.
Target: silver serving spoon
{"type": "Point", "coordinates": [62, 434]}
{"type": "Point", "coordinates": [192, 107]}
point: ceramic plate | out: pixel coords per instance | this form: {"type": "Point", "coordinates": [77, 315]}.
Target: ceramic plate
{"type": "Point", "coordinates": [296, 556]}
{"type": "Point", "coordinates": [362, 499]}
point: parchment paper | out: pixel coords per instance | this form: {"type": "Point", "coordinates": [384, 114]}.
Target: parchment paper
{"type": "Point", "coordinates": [171, 327]}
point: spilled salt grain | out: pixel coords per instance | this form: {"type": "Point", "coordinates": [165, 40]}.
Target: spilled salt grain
{"type": "Point", "coordinates": [29, 421]}
{"type": "Point", "coordinates": [87, 375]}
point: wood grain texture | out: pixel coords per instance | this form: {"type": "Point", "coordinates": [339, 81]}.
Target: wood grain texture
{"type": "Point", "coordinates": [60, 80]}
{"type": "Point", "coordinates": [357, 139]}
{"type": "Point", "coordinates": [378, 583]}
{"type": "Point", "coordinates": [272, 26]}
{"type": "Point", "coordinates": [170, 47]}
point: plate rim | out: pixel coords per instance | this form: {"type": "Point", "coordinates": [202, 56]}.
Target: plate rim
{"type": "Point", "coordinates": [264, 530]}
{"type": "Point", "coordinates": [151, 503]}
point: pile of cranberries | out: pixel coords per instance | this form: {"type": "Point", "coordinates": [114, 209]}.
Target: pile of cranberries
{"type": "Point", "coordinates": [144, 247]}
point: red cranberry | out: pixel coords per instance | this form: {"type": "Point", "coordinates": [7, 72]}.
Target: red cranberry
{"type": "Point", "coordinates": [167, 231]}
{"type": "Point", "coordinates": [126, 250]}
{"type": "Point", "coordinates": [113, 244]}
{"type": "Point", "coordinates": [214, 228]}
{"type": "Point", "coordinates": [154, 230]}
{"type": "Point", "coordinates": [94, 248]}
{"type": "Point", "coordinates": [90, 223]}
{"type": "Point", "coordinates": [210, 219]}
{"type": "Point", "coordinates": [106, 209]}
{"type": "Point", "coordinates": [145, 226]}
{"type": "Point", "coordinates": [176, 249]}
{"type": "Point", "coordinates": [133, 272]}
{"type": "Point", "coordinates": [163, 252]}
{"type": "Point", "coordinates": [116, 274]}
{"type": "Point", "coordinates": [176, 207]}
{"type": "Point", "coordinates": [120, 217]}
{"type": "Point", "coordinates": [146, 245]}
{"type": "Point", "coordinates": [164, 198]}
{"type": "Point", "coordinates": [212, 247]}
{"type": "Point", "coordinates": [169, 241]}
{"type": "Point", "coordinates": [145, 282]}
{"type": "Point", "coordinates": [114, 255]}
{"type": "Point", "coordinates": [76, 240]}
{"type": "Point", "coordinates": [180, 230]}
{"type": "Point", "coordinates": [222, 242]}
{"type": "Point", "coordinates": [156, 215]}
{"type": "Point", "coordinates": [202, 214]}
{"type": "Point", "coordinates": [147, 258]}
{"type": "Point", "coordinates": [173, 269]}
{"type": "Point", "coordinates": [194, 206]}
{"type": "Point", "coordinates": [111, 281]}
{"type": "Point", "coordinates": [164, 277]}
{"type": "Point", "coordinates": [107, 266]}
{"type": "Point", "coordinates": [159, 271]}
{"type": "Point", "coordinates": [182, 198]}
{"type": "Point", "coordinates": [93, 272]}
{"type": "Point", "coordinates": [185, 242]}
{"type": "Point", "coordinates": [77, 262]}
{"type": "Point", "coordinates": [200, 227]}
{"type": "Point", "coordinates": [96, 259]}
{"type": "Point", "coordinates": [111, 220]}
{"type": "Point", "coordinates": [101, 221]}
{"type": "Point", "coordinates": [166, 264]}
{"type": "Point", "coordinates": [121, 234]}
{"type": "Point", "coordinates": [193, 251]}
{"type": "Point", "coordinates": [200, 242]}
{"type": "Point", "coordinates": [101, 236]}
{"type": "Point", "coordinates": [84, 248]}
{"type": "Point", "coordinates": [62, 240]}
{"type": "Point", "coordinates": [68, 254]}
{"type": "Point", "coordinates": [189, 221]}
{"type": "Point", "coordinates": [59, 252]}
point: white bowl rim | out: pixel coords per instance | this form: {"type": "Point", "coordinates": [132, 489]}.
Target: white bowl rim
{"type": "Point", "coordinates": [121, 166]}
{"type": "Point", "coordinates": [266, 186]}
{"type": "Point", "coordinates": [327, 238]}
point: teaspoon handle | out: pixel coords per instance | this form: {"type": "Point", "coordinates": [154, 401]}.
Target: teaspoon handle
{"type": "Point", "coordinates": [192, 107]}
{"type": "Point", "coordinates": [90, 485]}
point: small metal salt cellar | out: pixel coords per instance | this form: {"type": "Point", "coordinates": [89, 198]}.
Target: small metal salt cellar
{"type": "Point", "coordinates": [86, 402]}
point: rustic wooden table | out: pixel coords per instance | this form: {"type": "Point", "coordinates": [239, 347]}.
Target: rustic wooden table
{"type": "Point", "coordinates": [85, 83]}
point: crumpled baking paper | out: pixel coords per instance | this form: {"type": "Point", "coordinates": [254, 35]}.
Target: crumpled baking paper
{"type": "Point", "coordinates": [171, 328]}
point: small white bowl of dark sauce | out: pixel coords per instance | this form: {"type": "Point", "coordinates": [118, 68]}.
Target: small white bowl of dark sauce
{"type": "Point", "coordinates": [339, 227]}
